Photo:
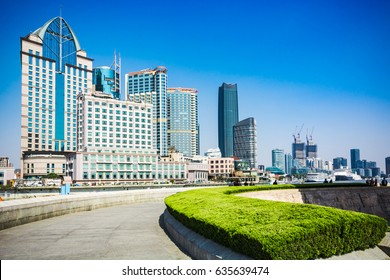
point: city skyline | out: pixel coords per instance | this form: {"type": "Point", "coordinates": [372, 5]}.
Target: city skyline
{"type": "Point", "coordinates": [324, 64]}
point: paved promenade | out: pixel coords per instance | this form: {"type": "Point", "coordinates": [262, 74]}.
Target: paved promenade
{"type": "Point", "coordinates": [127, 232]}
{"type": "Point", "coordinates": [132, 230]}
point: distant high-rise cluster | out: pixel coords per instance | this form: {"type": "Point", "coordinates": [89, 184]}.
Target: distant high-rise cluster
{"type": "Point", "coordinates": [363, 167]}
{"type": "Point", "coordinates": [301, 163]}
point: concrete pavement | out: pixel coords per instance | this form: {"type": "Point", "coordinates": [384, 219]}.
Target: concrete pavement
{"type": "Point", "coordinates": [126, 232]}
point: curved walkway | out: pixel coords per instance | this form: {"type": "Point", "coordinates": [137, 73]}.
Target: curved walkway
{"type": "Point", "coordinates": [126, 232]}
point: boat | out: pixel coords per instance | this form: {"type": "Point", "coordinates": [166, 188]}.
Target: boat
{"type": "Point", "coordinates": [316, 177]}
{"type": "Point", "coordinates": [346, 176]}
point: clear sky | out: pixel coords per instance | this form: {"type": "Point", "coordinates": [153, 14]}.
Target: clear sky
{"type": "Point", "coordinates": [324, 64]}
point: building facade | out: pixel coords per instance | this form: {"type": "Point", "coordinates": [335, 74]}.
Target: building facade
{"type": "Point", "coordinates": [54, 71]}
{"type": "Point", "coordinates": [278, 159]}
{"type": "Point", "coordinates": [340, 162]}
{"type": "Point", "coordinates": [145, 83]}
{"type": "Point", "coordinates": [245, 141]}
{"type": "Point", "coordinates": [107, 80]}
{"type": "Point", "coordinates": [311, 148]}
{"type": "Point", "coordinates": [227, 117]}
{"type": "Point", "coordinates": [213, 153]}
{"type": "Point", "coordinates": [7, 171]}
{"type": "Point", "coordinates": [183, 125]}
{"type": "Point", "coordinates": [111, 123]}
{"type": "Point", "coordinates": [221, 167]}
{"type": "Point", "coordinates": [387, 166]}
{"type": "Point", "coordinates": [355, 157]}
{"type": "Point", "coordinates": [116, 143]}
{"type": "Point", "coordinates": [298, 153]}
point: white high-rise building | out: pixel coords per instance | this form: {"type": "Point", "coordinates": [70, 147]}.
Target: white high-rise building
{"type": "Point", "coordinates": [153, 83]}
{"type": "Point", "coordinates": [54, 71]}
{"type": "Point", "coordinates": [183, 126]}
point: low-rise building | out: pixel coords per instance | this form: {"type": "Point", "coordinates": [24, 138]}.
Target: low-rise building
{"type": "Point", "coordinates": [221, 167]}
{"type": "Point", "coordinates": [7, 171]}
{"type": "Point", "coordinates": [37, 164]}
{"type": "Point", "coordinates": [198, 172]}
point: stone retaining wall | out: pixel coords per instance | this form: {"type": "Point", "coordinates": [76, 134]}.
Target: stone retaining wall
{"type": "Point", "coordinates": [370, 200]}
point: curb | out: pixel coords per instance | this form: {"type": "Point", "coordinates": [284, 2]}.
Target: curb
{"type": "Point", "coordinates": [197, 246]}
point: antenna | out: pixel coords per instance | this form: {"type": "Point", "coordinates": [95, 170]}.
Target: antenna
{"type": "Point", "coordinates": [116, 66]}
{"type": "Point", "coordinates": [60, 8]}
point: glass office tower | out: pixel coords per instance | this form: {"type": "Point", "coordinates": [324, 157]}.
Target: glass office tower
{"type": "Point", "coordinates": [278, 159]}
{"type": "Point", "coordinates": [355, 157]}
{"type": "Point", "coordinates": [106, 80]}
{"type": "Point", "coordinates": [245, 141]}
{"type": "Point", "coordinates": [227, 117]}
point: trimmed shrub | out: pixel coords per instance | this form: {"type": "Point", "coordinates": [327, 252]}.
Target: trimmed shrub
{"type": "Point", "coordinates": [274, 230]}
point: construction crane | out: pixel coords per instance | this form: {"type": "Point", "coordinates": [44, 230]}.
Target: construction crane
{"type": "Point", "coordinates": [296, 136]}
{"type": "Point", "coordinates": [311, 135]}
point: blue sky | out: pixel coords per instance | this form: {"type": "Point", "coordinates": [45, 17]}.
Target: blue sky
{"type": "Point", "coordinates": [324, 64]}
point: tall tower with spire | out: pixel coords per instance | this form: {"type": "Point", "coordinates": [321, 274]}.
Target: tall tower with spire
{"type": "Point", "coordinates": [54, 71]}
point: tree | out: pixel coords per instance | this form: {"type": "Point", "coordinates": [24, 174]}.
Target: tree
{"type": "Point", "coordinates": [52, 176]}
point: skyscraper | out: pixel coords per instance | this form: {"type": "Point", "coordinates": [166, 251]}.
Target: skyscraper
{"type": "Point", "coordinates": [278, 159]}
{"type": "Point", "coordinates": [153, 83]}
{"type": "Point", "coordinates": [311, 148]}
{"type": "Point", "coordinates": [387, 162]}
{"type": "Point", "coordinates": [227, 117]}
{"type": "Point", "coordinates": [288, 163]}
{"type": "Point", "coordinates": [183, 127]}
{"type": "Point", "coordinates": [298, 152]}
{"type": "Point", "coordinates": [245, 141]}
{"type": "Point", "coordinates": [54, 70]}
{"type": "Point", "coordinates": [355, 157]}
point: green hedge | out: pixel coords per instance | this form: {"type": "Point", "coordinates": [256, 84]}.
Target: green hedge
{"type": "Point", "coordinates": [274, 230]}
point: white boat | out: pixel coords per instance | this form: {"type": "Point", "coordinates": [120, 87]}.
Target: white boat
{"type": "Point", "coordinates": [347, 176]}
{"type": "Point", "coordinates": [316, 177]}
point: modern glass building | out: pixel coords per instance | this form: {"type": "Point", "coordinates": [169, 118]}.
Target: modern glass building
{"type": "Point", "coordinates": [340, 162]}
{"type": "Point", "coordinates": [245, 141]}
{"type": "Point", "coordinates": [153, 83]}
{"type": "Point", "coordinates": [227, 117]}
{"type": "Point", "coordinates": [355, 157]}
{"type": "Point", "coordinates": [288, 163]}
{"type": "Point", "coordinates": [183, 126]}
{"type": "Point", "coordinates": [106, 80]}
{"type": "Point", "coordinates": [278, 159]}
{"type": "Point", "coordinates": [387, 163]}
{"type": "Point", "coordinates": [54, 71]}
